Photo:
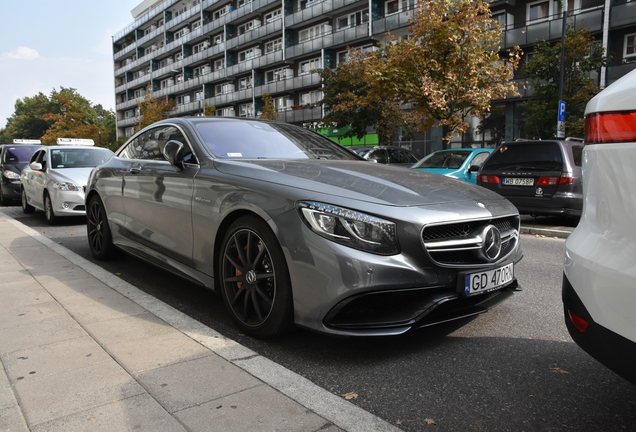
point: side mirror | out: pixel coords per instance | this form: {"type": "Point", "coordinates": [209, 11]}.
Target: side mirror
{"type": "Point", "coordinates": [473, 168]}
{"type": "Point", "coordinates": [35, 166]}
{"type": "Point", "coordinates": [173, 152]}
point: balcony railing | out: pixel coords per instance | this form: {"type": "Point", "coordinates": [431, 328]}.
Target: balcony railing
{"type": "Point", "coordinates": [150, 15]}
{"type": "Point", "coordinates": [318, 9]}
{"type": "Point", "coordinates": [302, 115]}
{"type": "Point", "coordinates": [259, 32]}
{"type": "Point", "coordinates": [623, 15]}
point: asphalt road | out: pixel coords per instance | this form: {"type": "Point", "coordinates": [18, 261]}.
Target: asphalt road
{"type": "Point", "coordinates": [512, 369]}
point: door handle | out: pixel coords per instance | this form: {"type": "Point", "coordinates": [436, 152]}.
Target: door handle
{"type": "Point", "coordinates": [135, 169]}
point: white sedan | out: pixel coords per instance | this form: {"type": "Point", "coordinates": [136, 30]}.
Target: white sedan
{"type": "Point", "coordinates": [55, 178]}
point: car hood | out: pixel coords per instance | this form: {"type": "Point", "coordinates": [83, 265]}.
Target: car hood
{"type": "Point", "coordinates": [363, 181]}
{"type": "Point", "coordinates": [15, 167]}
{"type": "Point", "coordinates": [77, 176]}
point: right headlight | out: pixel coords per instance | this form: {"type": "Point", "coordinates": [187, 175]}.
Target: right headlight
{"type": "Point", "coordinates": [350, 228]}
{"type": "Point", "coordinates": [11, 175]}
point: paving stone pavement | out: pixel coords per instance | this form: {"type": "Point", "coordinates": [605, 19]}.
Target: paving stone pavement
{"type": "Point", "coordinates": [83, 350]}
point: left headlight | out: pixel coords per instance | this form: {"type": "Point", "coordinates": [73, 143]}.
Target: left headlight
{"type": "Point", "coordinates": [63, 186]}
{"type": "Point", "coordinates": [11, 175]}
{"type": "Point", "coordinates": [350, 228]}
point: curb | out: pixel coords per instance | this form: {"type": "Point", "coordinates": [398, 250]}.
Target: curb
{"type": "Point", "coordinates": [547, 232]}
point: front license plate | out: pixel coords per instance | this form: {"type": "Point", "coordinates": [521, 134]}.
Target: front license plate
{"type": "Point", "coordinates": [514, 181]}
{"type": "Point", "coordinates": [482, 282]}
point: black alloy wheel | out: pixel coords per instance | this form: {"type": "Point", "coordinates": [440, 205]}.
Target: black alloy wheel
{"type": "Point", "coordinates": [254, 279]}
{"type": "Point", "coordinates": [100, 239]}
{"type": "Point", "coordinates": [49, 214]}
{"type": "Point", "coordinates": [26, 207]}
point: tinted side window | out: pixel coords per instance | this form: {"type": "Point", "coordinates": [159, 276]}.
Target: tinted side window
{"type": "Point", "coordinates": [131, 151]}
{"type": "Point", "coordinates": [577, 155]}
{"type": "Point", "coordinates": [378, 155]}
{"type": "Point", "coordinates": [479, 159]}
{"type": "Point", "coordinates": [532, 156]}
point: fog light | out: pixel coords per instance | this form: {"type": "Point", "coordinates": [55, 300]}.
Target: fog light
{"type": "Point", "coordinates": [65, 206]}
{"type": "Point", "coordinates": [579, 323]}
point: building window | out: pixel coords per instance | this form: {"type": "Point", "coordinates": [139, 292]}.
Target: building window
{"type": "Point", "coordinates": [223, 11]}
{"type": "Point", "coordinates": [198, 96]}
{"type": "Point", "coordinates": [394, 6]}
{"type": "Point", "coordinates": [278, 75]}
{"type": "Point", "coordinates": [219, 64]}
{"type": "Point", "coordinates": [179, 78]}
{"type": "Point", "coordinates": [167, 83]}
{"type": "Point", "coordinates": [200, 47]}
{"type": "Point", "coordinates": [304, 4]}
{"type": "Point", "coordinates": [283, 103]}
{"type": "Point", "coordinates": [313, 32]}
{"type": "Point", "coordinates": [201, 70]}
{"type": "Point", "coordinates": [309, 65]}
{"type": "Point", "coordinates": [225, 112]}
{"type": "Point", "coordinates": [249, 54]}
{"type": "Point", "coordinates": [183, 99]}
{"type": "Point", "coordinates": [246, 110]}
{"type": "Point", "coordinates": [178, 56]}
{"type": "Point", "coordinates": [273, 45]}
{"type": "Point", "coordinates": [352, 20]}
{"type": "Point", "coordinates": [343, 56]}
{"type": "Point", "coordinates": [242, 3]}
{"type": "Point", "coordinates": [217, 39]}
{"type": "Point", "coordinates": [248, 26]}
{"type": "Point", "coordinates": [129, 131]}
{"type": "Point", "coordinates": [245, 83]}
{"type": "Point", "coordinates": [181, 32]}
{"type": "Point", "coordinates": [177, 12]}
{"type": "Point", "coordinates": [196, 25]}
{"type": "Point", "coordinates": [630, 46]}
{"type": "Point", "coordinates": [222, 89]}
{"type": "Point", "coordinates": [311, 98]}
{"type": "Point", "coordinates": [273, 15]}
{"type": "Point", "coordinates": [542, 10]}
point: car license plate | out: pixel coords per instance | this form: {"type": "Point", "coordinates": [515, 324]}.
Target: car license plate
{"type": "Point", "coordinates": [489, 280]}
{"type": "Point", "coordinates": [514, 181]}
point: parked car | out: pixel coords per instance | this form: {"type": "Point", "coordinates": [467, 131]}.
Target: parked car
{"type": "Point", "coordinates": [55, 178]}
{"type": "Point", "coordinates": [389, 155]}
{"type": "Point", "coordinates": [461, 164]}
{"type": "Point", "coordinates": [291, 227]}
{"type": "Point", "coordinates": [13, 158]}
{"type": "Point", "coordinates": [599, 283]}
{"type": "Point", "coordinates": [538, 177]}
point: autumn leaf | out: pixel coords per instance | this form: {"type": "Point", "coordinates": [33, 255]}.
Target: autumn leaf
{"type": "Point", "coordinates": [350, 396]}
{"type": "Point", "coordinates": [559, 370]}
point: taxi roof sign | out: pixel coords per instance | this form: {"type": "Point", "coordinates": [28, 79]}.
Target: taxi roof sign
{"type": "Point", "coordinates": [75, 142]}
{"type": "Point", "coordinates": [26, 141]}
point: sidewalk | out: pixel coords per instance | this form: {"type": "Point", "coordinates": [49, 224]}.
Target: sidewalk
{"type": "Point", "coordinates": [83, 350]}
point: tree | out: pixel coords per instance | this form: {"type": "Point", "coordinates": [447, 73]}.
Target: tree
{"type": "Point", "coordinates": [151, 109]}
{"type": "Point", "coordinates": [448, 68]}
{"type": "Point", "coordinates": [71, 123]}
{"type": "Point", "coordinates": [350, 100]}
{"type": "Point", "coordinates": [268, 111]}
{"type": "Point", "coordinates": [26, 121]}
{"type": "Point", "coordinates": [543, 70]}
{"type": "Point", "coordinates": [209, 110]}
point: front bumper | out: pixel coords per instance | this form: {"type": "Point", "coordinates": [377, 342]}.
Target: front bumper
{"type": "Point", "coordinates": [557, 205]}
{"type": "Point", "coordinates": [611, 349]}
{"type": "Point", "coordinates": [68, 203]}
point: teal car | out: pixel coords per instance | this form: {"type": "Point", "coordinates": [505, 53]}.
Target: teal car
{"type": "Point", "coordinates": [461, 164]}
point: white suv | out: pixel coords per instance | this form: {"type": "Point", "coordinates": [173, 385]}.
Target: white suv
{"type": "Point", "coordinates": [599, 283]}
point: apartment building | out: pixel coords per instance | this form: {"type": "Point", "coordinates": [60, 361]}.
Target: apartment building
{"type": "Point", "coordinates": [228, 53]}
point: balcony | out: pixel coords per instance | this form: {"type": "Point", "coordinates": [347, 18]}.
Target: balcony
{"type": "Point", "coordinates": [616, 72]}
{"type": "Point", "coordinates": [126, 122]}
{"type": "Point", "coordinates": [205, 54]}
{"type": "Point", "coordinates": [176, 66]}
{"type": "Point", "coordinates": [392, 22]}
{"type": "Point", "coordinates": [310, 46]}
{"type": "Point", "coordinates": [233, 97]}
{"type": "Point", "coordinates": [268, 59]}
{"type": "Point", "coordinates": [258, 33]}
{"type": "Point", "coordinates": [552, 29]}
{"type": "Point", "coordinates": [289, 85]}
{"type": "Point", "coordinates": [623, 15]}
{"type": "Point", "coordinates": [302, 115]}
{"type": "Point", "coordinates": [242, 67]}
{"type": "Point", "coordinates": [151, 15]}
{"type": "Point", "coordinates": [121, 53]}
{"type": "Point", "coordinates": [318, 10]}
{"type": "Point", "coordinates": [196, 9]}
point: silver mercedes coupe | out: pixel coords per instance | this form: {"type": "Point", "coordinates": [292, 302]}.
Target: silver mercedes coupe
{"type": "Point", "coordinates": [295, 230]}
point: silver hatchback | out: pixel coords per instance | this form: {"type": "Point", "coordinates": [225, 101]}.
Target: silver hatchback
{"type": "Point", "coordinates": [291, 228]}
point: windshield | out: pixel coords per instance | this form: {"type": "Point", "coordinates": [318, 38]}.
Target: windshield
{"type": "Point", "coordinates": [539, 156]}
{"type": "Point", "coordinates": [79, 157]}
{"type": "Point", "coordinates": [260, 140]}
{"type": "Point", "coordinates": [19, 154]}
{"type": "Point", "coordinates": [446, 159]}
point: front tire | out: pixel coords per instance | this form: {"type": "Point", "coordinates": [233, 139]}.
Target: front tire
{"type": "Point", "coordinates": [100, 239]}
{"type": "Point", "coordinates": [4, 200]}
{"type": "Point", "coordinates": [26, 208]}
{"type": "Point", "coordinates": [254, 279]}
{"type": "Point", "coordinates": [49, 214]}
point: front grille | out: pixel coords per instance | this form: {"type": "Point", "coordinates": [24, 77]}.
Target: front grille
{"type": "Point", "coordinates": [460, 244]}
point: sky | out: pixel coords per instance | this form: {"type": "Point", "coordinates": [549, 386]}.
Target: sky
{"type": "Point", "coordinates": [62, 43]}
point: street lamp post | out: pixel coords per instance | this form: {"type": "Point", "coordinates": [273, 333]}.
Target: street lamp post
{"type": "Point", "coordinates": [562, 107]}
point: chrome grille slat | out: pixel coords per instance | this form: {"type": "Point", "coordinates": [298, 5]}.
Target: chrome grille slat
{"type": "Point", "coordinates": [456, 244]}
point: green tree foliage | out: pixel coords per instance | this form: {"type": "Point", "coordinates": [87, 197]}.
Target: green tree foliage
{"type": "Point", "coordinates": [543, 70]}
{"type": "Point", "coordinates": [448, 68]}
{"type": "Point", "coordinates": [350, 101]}
{"type": "Point", "coordinates": [152, 109]}
{"type": "Point", "coordinates": [65, 114]}
{"type": "Point", "coordinates": [26, 121]}
{"type": "Point", "coordinates": [268, 111]}
{"type": "Point", "coordinates": [209, 110]}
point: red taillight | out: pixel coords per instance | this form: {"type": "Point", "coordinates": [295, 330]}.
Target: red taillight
{"type": "Point", "coordinates": [579, 323]}
{"type": "Point", "coordinates": [488, 179]}
{"type": "Point", "coordinates": [610, 127]}
{"type": "Point", "coordinates": [566, 178]}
